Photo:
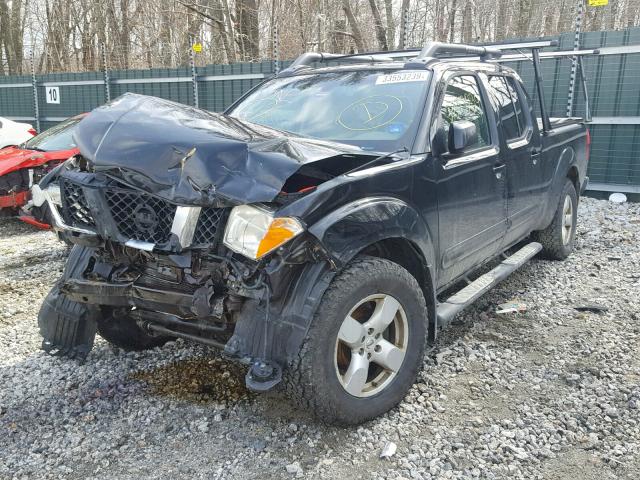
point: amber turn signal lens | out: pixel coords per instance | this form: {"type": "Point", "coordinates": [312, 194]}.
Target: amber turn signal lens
{"type": "Point", "coordinates": [254, 232]}
{"type": "Point", "coordinates": [280, 231]}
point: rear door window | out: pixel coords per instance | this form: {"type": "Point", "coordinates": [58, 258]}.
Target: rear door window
{"type": "Point", "coordinates": [509, 107]}
{"type": "Point", "coordinates": [518, 105]}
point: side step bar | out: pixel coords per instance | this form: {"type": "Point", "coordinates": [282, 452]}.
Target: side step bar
{"type": "Point", "coordinates": [469, 294]}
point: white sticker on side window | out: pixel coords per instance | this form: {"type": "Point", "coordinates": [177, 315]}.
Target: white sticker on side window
{"type": "Point", "coordinates": [402, 77]}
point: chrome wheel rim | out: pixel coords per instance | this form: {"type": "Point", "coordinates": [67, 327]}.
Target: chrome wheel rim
{"type": "Point", "coordinates": [567, 220]}
{"type": "Point", "coordinates": [371, 345]}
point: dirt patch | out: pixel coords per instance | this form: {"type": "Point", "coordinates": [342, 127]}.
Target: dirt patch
{"type": "Point", "coordinates": [201, 380]}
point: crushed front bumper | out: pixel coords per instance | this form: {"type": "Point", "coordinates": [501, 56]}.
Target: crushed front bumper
{"type": "Point", "coordinates": [125, 295]}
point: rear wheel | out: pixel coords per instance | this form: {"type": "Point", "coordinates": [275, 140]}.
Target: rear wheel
{"type": "Point", "coordinates": [365, 346]}
{"type": "Point", "coordinates": [558, 238]}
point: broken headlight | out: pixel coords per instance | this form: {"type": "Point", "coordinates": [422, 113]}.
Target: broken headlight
{"type": "Point", "coordinates": [254, 232]}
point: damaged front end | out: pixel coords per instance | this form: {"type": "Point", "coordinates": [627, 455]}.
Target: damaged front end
{"type": "Point", "coordinates": [176, 229]}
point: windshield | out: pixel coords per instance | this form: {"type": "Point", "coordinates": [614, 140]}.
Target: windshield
{"type": "Point", "coordinates": [55, 138]}
{"type": "Point", "coordinates": [374, 110]}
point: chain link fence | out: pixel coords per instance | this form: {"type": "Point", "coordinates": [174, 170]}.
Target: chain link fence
{"type": "Point", "coordinates": [611, 85]}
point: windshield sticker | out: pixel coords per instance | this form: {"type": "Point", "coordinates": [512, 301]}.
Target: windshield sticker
{"type": "Point", "coordinates": [402, 77]}
{"type": "Point", "coordinates": [370, 113]}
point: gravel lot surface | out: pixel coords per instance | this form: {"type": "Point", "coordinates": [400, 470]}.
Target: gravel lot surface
{"type": "Point", "coordinates": [551, 393]}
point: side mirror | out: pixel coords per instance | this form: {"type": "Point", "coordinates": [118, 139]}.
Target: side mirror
{"type": "Point", "coordinates": [462, 133]}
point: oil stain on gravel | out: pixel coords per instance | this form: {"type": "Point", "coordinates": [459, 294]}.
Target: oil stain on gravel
{"type": "Point", "coordinates": [199, 380]}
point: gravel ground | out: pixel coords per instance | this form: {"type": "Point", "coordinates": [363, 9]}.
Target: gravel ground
{"type": "Point", "coordinates": [550, 393]}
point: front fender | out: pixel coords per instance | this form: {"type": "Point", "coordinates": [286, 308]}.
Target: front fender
{"type": "Point", "coordinates": [297, 289]}
{"type": "Point", "coordinates": [351, 228]}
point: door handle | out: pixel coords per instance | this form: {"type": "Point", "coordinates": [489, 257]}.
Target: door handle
{"type": "Point", "coordinates": [498, 169]}
{"type": "Point", "coordinates": [535, 154]}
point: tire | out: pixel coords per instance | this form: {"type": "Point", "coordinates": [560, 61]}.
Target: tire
{"type": "Point", "coordinates": [121, 331]}
{"type": "Point", "coordinates": [322, 374]}
{"type": "Point", "coordinates": [558, 239]}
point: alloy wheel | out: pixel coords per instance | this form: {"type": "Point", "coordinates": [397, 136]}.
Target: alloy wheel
{"type": "Point", "coordinates": [567, 220]}
{"type": "Point", "coordinates": [371, 345]}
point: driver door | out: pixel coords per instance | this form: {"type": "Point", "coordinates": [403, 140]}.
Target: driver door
{"type": "Point", "coordinates": [471, 187]}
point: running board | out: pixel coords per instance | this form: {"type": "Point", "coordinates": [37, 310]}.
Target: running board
{"type": "Point", "coordinates": [469, 294]}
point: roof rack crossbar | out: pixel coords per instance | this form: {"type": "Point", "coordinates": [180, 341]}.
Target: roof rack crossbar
{"type": "Point", "coordinates": [306, 59]}
{"type": "Point", "coordinates": [523, 45]}
{"type": "Point", "coordinates": [430, 50]}
{"type": "Point", "coordinates": [436, 49]}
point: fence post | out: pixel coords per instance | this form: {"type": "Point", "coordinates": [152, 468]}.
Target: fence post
{"type": "Point", "coordinates": [194, 74]}
{"type": "Point", "coordinates": [105, 73]}
{"type": "Point", "coordinates": [276, 49]}
{"type": "Point", "coordinates": [404, 35]}
{"type": "Point", "coordinates": [574, 60]}
{"type": "Point", "coordinates": [36, 106]}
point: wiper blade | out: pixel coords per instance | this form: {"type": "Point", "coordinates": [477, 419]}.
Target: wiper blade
{"type": "Point", "coordinates": [377, 159]}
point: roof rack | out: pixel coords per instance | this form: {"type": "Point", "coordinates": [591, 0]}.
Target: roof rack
{"type": "Point", "coordinates": [460, 52]}
{"type": "Point", "coordinates": [429, 51]}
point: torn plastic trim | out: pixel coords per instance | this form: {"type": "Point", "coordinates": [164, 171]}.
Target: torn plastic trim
{"type": "Point", "coordinates": [68, 328]}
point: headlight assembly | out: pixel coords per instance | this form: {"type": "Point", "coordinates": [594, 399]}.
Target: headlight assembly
{"type": "Point", "coordinates": [254, 232]}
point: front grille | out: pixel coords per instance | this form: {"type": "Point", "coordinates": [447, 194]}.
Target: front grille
{"type": "Point", "coordinates": [140, 216]}
{"type": "Point", "coordinates": [75, 208]}
{"type": "Point", "coordinates": [210, 226]}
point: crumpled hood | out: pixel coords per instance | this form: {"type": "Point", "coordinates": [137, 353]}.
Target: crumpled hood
{"type": "Point", "coordinates": [191, 156]}
{"type": "Point", "coordinates": [14, 158]}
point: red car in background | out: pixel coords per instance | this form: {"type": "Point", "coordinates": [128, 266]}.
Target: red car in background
{"type": "Point", "coordinates": [23, 166]}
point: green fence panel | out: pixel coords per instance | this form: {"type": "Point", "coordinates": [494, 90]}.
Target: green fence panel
{"type": "Point", "coordinates": [216, 95]}
{"type": "Point", "coordinates": [614, 154]}
{"type": "Point", "coordinates": [16, 97]}
{"type": "Point", "coordinates": [74, 99]}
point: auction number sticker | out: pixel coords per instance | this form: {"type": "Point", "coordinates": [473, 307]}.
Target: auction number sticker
{"type": "Point", "coordinates": [402, 77]}
{"type": "Point", "coordinates": [53, 94]}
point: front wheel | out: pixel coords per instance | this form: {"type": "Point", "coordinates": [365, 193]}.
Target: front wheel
{"type": "Point", "coordinates": [365, 346]}
{"type": "Point", "coordinates": [558, 238]}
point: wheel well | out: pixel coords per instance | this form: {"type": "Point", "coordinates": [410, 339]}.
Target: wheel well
{"type": "Point", "coordinates": [572, 175]}
{"type": "Point", "coordinates": [404, 253]}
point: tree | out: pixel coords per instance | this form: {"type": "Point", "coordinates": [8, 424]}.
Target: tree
{"type": "Point", "coordinates": [381, 33]}
{"type": "Point", "coordinates": [357, 36]}
{"type": "Point", "coordinates": [12, 34]}
{"type": "Point", "coordinates": [67, 35]}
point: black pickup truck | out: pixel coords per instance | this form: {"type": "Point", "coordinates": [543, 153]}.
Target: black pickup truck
{"type": "Point", "coordinates": [323, 229]}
